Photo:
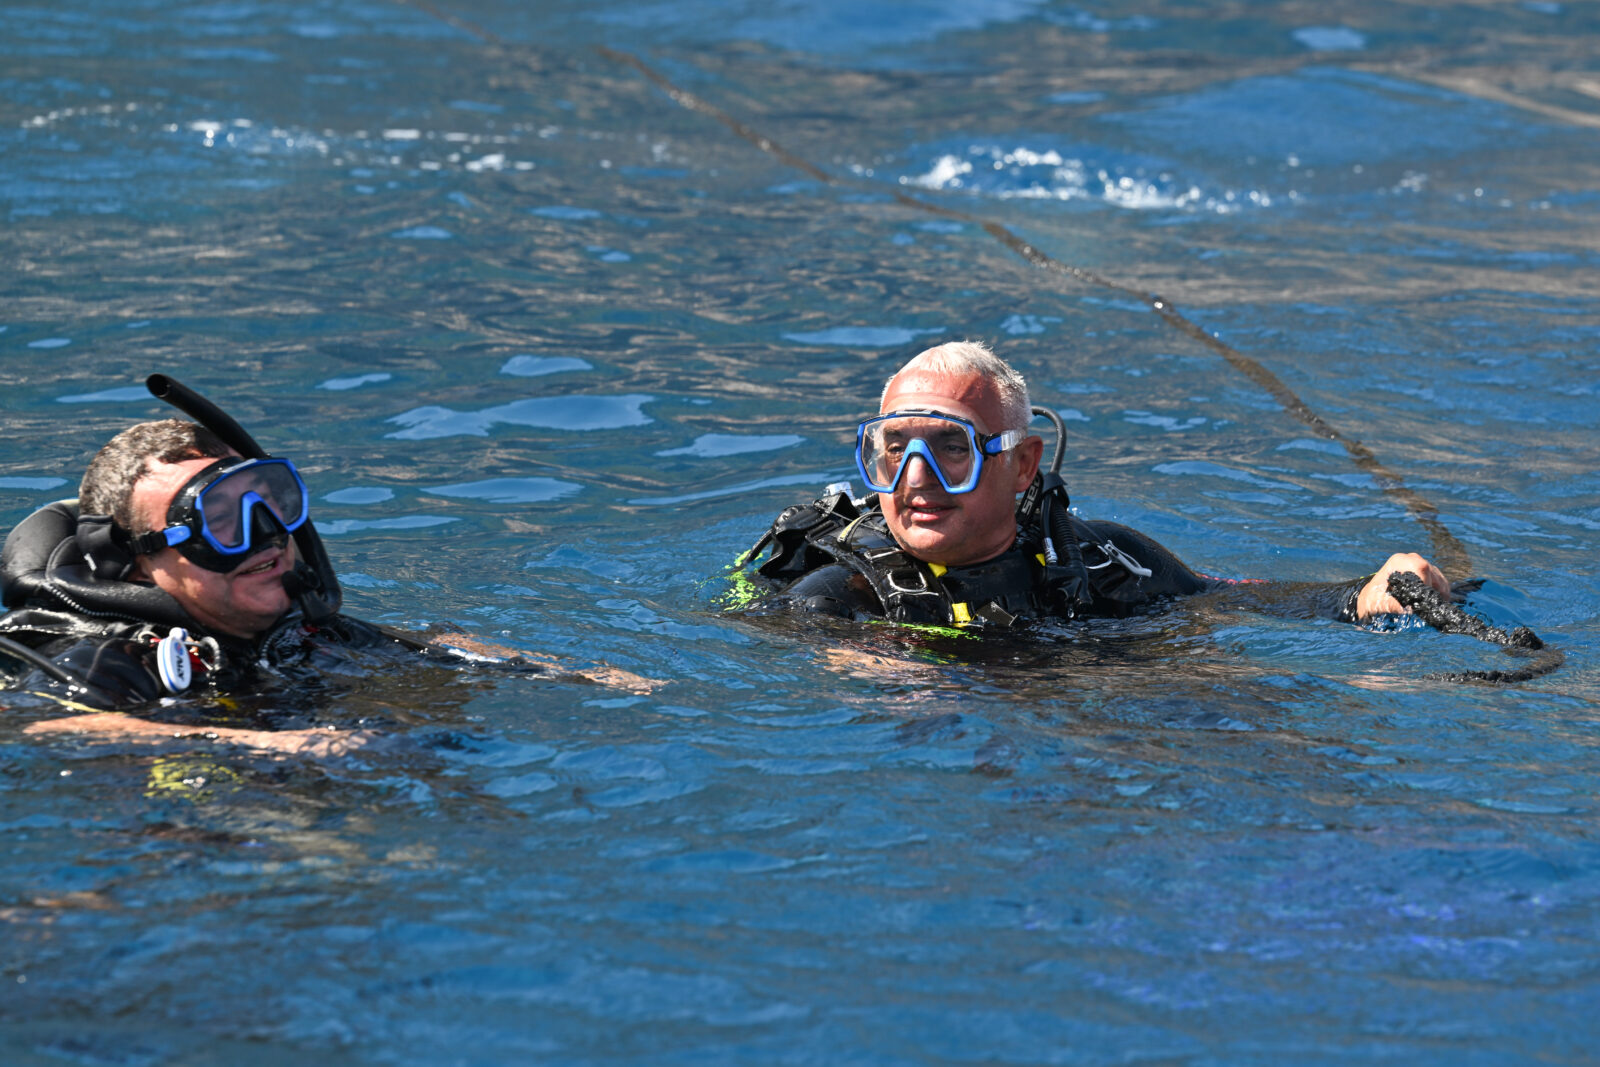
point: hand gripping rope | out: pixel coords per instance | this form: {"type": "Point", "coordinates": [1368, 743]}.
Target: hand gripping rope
{"type": "Point", "coordinates": [1437, 611]}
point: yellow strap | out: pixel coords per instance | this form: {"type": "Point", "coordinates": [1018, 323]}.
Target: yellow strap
{"type": "Point", "coordinates": [1040, 557]}
{"type": "Point", "coordinates": [960, 613]}
{"type": "Point", "coordinates": [71, 705]}
{"type": "Point", "coordinates": [938, 569]}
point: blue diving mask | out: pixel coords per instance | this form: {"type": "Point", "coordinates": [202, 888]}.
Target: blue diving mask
{"type": "Point", "coordinates": [951, 446]}
{"type": "Point", "coordinates": [231, 510]}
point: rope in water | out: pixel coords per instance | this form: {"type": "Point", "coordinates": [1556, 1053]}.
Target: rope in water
{"type": "Point", "coordinates": [1437, 611]}
{"type": "Point", "coordinates": [1448, 552]}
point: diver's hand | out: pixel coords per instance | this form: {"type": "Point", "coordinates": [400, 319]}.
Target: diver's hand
{"type": "Point", "coordinates": [1374, 598]}
{"type": "Point", "coordinates": [466, 645]}
{"type": "Point", "coordinates": [616, 678]}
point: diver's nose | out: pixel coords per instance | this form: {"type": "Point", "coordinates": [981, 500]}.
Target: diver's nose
{"type": "Point", "coordinates": [918, 474]}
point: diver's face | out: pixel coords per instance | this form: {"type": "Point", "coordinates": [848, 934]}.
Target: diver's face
{"type": "Point", "coordinates": [244, 602]}
{"type": "Point", "coordinates": [957, 529]}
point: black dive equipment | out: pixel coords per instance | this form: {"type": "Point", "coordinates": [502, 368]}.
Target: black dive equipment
{"type": "Point", "coordinates": [29, 659]}
{"type": "Point", "coordinates": [312, 584]}
{"type": "Point", "coordinates": [1046, 504]}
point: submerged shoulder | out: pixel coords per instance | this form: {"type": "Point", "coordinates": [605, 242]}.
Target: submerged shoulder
{"type": "Point", "coordinates": [832, 589]}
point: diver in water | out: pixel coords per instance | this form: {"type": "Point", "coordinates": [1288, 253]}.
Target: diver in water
{"type": "Point", "coordinates": [181, 565]}
{"type": "Point", "coordinates": [946, 540]}
{"type": "Point", "coordinates": [187, 564]}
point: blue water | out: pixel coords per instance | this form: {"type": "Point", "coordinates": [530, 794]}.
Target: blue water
{"type": "Point", "coordinates": [551, 350]}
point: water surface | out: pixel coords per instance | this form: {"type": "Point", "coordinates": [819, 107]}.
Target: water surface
{"type": "Point", "coordinates": [552, 349]}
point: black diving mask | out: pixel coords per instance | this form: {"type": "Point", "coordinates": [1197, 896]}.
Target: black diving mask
{"type": "Point", "coordinates": [231, 510]}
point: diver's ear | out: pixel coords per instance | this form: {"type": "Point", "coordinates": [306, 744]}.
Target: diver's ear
{"type": "Point", "coordinates": [1029, 452]}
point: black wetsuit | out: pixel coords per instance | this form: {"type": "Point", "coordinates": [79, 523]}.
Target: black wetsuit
{"type": "Point", "coordinates": [833, 558]}
{"type": "Point", "coordinates": [90, 640]}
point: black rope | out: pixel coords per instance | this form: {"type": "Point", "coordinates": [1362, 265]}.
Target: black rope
{"type": "Point", "coordinates": [1427, 604]}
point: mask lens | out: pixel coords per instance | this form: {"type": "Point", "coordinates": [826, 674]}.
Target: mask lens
{"type": "Point", "coordinates": [881, 455]}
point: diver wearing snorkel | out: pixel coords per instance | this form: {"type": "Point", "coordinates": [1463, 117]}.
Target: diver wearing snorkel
{"type": "Point", "coordinates": [188, 565]}
{"type": "Point", "coordinates": [188, 557]}
{"type": "Point", "coordinates": [946, 541]}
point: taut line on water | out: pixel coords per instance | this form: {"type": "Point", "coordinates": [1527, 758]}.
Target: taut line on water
{"type": "Point", "coordinates": [1444, 615]}
{"type": "Point", "coordinates": [1446, 549]}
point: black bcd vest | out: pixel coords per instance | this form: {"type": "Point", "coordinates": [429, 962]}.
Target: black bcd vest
{"type": "Point", "coordinates": [1015, 585]}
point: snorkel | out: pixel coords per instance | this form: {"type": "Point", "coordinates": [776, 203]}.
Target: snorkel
{"type": "Point", "coordinates": [312, 583]}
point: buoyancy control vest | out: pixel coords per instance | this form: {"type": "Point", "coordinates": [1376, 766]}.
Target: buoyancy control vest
{"type": "Point", "coordinates": [43, 566]}
{"type": "Point", "coordinates": [1113, 572]}
{"type": "Point", "coordinates": [99, 640]}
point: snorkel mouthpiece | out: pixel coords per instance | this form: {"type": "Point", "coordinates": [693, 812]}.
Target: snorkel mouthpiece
{"type": "Point", "coordinates": [300, 581]}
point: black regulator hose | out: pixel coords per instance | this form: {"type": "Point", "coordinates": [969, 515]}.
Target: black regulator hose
{"type": "Point", "coordinates": [32, 658]}
{"type": "Point", "coordinates": [1048, 494]}
{"type": "Point", "coordinates": [312, 583]}
{"type": "Point", "coordinates": [1437, 611]}
{"type": "Point", "coordinates": [1061, 437]}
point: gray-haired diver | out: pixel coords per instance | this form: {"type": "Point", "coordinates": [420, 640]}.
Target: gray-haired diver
{"type": "Point", "coordinates": [946, 541]}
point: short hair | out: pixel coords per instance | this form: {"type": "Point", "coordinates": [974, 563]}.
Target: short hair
{"type": "Point", "coordinates": [107, 487]}
{"type": "Point", "coordinates": [974, 357]}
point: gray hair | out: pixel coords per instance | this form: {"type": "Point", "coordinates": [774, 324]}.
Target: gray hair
{"type": "Point", "coordinates": [107, 487]}
{"type": "Point", "coordinates": [974, 358]}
